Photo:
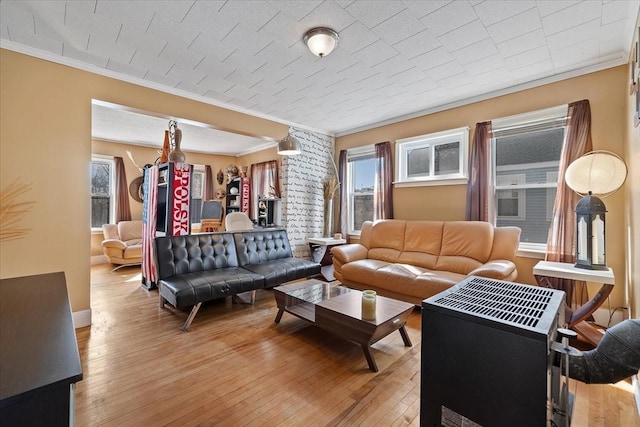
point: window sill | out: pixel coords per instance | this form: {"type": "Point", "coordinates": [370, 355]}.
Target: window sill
{"type": "Point", "coordinates": [353, 235]}
{"type": "Point", "coordinates": [532, 250]}
{"type": "Point", "coordinates": [431, 183]}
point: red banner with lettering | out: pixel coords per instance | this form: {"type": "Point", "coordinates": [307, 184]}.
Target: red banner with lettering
{"type": "Point", "coordinates": [181, 197]}
{"type": "Point", "coordinates": [246, 190]}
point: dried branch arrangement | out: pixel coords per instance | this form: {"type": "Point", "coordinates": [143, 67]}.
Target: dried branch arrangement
{"type": "Point", "coordinates": [329, 186]}
{"type": "Point", "coordinates": [12, 209]}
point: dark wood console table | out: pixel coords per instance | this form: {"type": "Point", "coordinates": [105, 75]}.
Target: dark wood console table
{"type": "Point", "coordinates": [39, 358]}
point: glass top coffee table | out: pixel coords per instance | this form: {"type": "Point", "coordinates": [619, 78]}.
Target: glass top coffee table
{"type": "Point", "coordinates": [338, 310]}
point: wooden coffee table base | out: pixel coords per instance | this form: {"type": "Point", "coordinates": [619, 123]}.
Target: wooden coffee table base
{"type": "Point", "coordinates": [341, 315]}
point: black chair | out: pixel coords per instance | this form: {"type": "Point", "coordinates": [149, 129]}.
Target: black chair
{"type": "Point", "coordinates": [211, 218]}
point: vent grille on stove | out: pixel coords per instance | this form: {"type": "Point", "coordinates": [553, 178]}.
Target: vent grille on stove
{"type": "Point", "coordinates": [494, 299]}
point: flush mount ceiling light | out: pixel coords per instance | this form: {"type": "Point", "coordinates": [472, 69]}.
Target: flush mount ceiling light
{"type": "Point", "coordinates": [289, 146]}
{"type": "Point", "coordinates": [321, 41]}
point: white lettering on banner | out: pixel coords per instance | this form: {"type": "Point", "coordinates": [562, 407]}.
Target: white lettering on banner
{"type": "Point", "coordinates": [181, 196]}
{"type": "Point", "coordinates": [245, 195]}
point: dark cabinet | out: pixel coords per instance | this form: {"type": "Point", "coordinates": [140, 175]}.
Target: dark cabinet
{"type": "Point", "coordinates": [238, 192]}
{"type": "Point", "coordinates": [39, 360]}
{"type": "Point", "coordinates": [266, 212]}
{"type": "Point", "coordinates": [174, 199]}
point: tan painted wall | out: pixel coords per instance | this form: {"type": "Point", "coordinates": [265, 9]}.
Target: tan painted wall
{"type": "Point", "coordinates": [606, 93]}
{"type": "Point", "coordinates": [632, 156]}
{"type": "Point", "coordinates": [45, 138]}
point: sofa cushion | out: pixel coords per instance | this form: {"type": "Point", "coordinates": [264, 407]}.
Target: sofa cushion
{"type": "Point", "coordinates": [190, 288]}
{"type": "Point", "coordinates": [466, 245]}
{"type": "Point", "coordinates": [178, 255]}
{"type": "Point", "coordinates": [387, 235]}
{"type": "Point", "coordinates": [134, 251]}
{"type": "Point", "coordinates": [255, 247]}
{"type": "Point", "coordinates": [423, 237]}
{"type": "Point", "coordinates": [130, 230]}
{"type": "Point", "coordinates": [405, 279]}
{"type": "Point", "coordinates": [284, 270]}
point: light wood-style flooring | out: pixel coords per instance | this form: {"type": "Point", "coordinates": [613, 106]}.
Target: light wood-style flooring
{"type": "Point", "coordinates": [237, 367]}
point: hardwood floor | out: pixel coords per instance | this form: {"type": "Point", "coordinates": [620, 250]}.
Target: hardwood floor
{"type": "Point", "coordinates": [237, 367]}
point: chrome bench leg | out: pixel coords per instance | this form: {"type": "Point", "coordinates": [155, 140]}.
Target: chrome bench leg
{"type": "Point", "coordinates": [237, 298]}
{"type": "Point", "coordinates": [193, 313]}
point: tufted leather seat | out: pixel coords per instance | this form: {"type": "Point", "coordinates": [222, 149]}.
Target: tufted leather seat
{"type": "Point", "coordinates": [268, 253]}
{"type": "Point", "coordinates": [201, 267]}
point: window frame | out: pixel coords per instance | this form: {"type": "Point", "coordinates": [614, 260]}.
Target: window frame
{"type": "Point", "coordinates": [364, 152]}
{"type": "Point", "coordinates": [101, 158]}
{"type": "Point", "coordinates": [431, 141]}
{"type": "Point", "coordinates": [529, 120]}
{"type": "Point", "coordinates": [519, 188]}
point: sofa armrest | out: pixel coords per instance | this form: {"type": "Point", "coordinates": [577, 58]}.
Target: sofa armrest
{"type": "Point", "coordinates": [500, 269]}
{"type": "Point", "coordinates": [344, 254]}
{"type": "Point", "coordinates": [114, 244]}
{"type": "Point", "coordinates": [349, 253]}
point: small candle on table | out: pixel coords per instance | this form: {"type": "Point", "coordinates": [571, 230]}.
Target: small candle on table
{"type": "Point", "coordinates": [369, 305]}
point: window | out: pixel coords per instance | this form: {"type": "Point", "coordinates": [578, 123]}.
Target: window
{"type": "Point", "coordinates": [197, 193]}
{"type": "Point", "coordinates": [436, 157]}
{"type": "Point", "coordinates": [103, 210]}
{"type": "Point", "coordinates": [526, 157]}
{"type": "Point", "coordinates": [361, 170]}
{"type": "Point", "coordinates": [509, 201]}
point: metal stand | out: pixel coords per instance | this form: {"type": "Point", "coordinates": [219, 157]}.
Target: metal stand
{"type": "Point", "coordinates": [561, 406]}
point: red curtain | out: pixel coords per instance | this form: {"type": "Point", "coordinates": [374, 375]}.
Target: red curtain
{"type": "Point", "coordinates": [208, 183]}
{"type": "Point", "coordinates": [479, 185]}
{"type": "Point", "coordinates": [123, 210]}
{"type": "Point", "coordinates": [561, 240]}
{"type": "Point", "coordinates": [383, 185]}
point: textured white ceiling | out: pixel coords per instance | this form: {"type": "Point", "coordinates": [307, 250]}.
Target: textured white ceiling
{"type": "Point", "coordinates": [394, 58]}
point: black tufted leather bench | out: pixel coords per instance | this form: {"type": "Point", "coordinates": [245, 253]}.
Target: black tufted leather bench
{"type": "Point", "coordinates": [201, 267]}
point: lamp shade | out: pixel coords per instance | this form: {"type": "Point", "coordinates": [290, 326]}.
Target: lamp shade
{"type": "Point", "coordinates": [598, 172]}
{"type": "Point", "coordinates": [289, 146]}
{"type": "Point", "coordinates": [321, 41]}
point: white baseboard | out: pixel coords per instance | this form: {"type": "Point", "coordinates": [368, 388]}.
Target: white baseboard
{"type": "Point", "coordinates": [635, 381]}
{"type": "Point", "coordinates": [81, 318]}
{"type": "Point", "coordinates": [602, 314]}
{"type": "Point", "coordinates": [98, 259]}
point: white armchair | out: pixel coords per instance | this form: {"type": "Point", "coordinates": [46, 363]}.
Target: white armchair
{"type": "Point", "coordinates": [123, 243]}
{"type": "Point", "coordinates": [237, 221]}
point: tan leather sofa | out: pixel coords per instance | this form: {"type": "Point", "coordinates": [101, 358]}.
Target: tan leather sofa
{"type": "Point", "coordinates": [123, 243]}
{"type": "Point", "coordinates": [414, 260]}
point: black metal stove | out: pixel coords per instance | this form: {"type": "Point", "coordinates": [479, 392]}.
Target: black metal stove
{"type": "Point", "coordinates": [486, 353]}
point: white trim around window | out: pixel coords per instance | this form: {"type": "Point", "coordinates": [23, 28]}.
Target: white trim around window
{"type": "Point", "coordinates": [101, 158]}
{"type": "Point", "coordinates": [433, 159]}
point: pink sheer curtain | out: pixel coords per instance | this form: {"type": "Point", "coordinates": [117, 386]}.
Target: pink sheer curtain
{"type": "Point", "coordinates": [383, 185]}
{"type": "Point", "coordinates": [208, 183]}
{"type": "Point", "coordinates": [343, 224]}
{"type": "Point", "coordinates": [123, 210]}
{"type": "Point", "coordinates": [561, 240]}
{"type": "Point", "coordinates": [479, 184]}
